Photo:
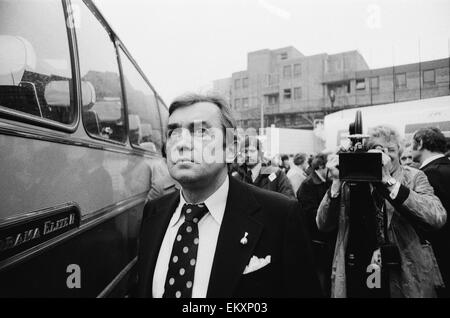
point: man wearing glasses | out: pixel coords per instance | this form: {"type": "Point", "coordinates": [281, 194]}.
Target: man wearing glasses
{"type": "Point", "coordinates": [218, 237]}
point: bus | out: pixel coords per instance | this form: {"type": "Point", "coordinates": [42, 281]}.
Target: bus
{"type": "Point", "coordinates": [81, 136]}
{"type": "Point", "coordinates": [406, 117]}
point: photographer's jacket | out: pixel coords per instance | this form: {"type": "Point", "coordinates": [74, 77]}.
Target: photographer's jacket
{"type": "Point", "coordinates": [414, 206]}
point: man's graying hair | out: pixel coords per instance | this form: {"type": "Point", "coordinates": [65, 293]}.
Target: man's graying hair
{"type": "Point", "coordinates": [390, 134]}
{"type": "Point", "coordinates": [226, 117]}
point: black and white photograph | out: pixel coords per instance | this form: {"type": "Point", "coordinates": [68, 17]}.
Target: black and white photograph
{"type": "Point", "coordinates": [225, 150]}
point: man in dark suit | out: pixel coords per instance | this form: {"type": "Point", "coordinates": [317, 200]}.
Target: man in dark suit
{"type": "Point", "coordinates": [429, 146]}
{"type": "Point", "coordinates": [309, 195]}
{"type": "Point", "coordinates": [218, 237]}
{"type": "Point", "coordinates": [255, 172]}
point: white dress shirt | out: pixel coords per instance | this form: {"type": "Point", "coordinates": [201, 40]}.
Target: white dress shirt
{"type": "Point", "coordinates": [427, 161]}
{"type": "Point", "coordinates": [208, 232]}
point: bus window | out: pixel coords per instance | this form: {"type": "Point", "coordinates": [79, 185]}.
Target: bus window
{"type": "Point", "coordinates": [35, 69]}
{"type": "Point", "coordinates": [143, 116]}
{"type": "Point", "coordinates": [104, 115]}
{"type": "Point", "coordinates": [164, 112]}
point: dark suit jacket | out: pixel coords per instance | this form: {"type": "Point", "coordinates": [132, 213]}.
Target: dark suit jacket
{"type": "Point", "coordinates": [438, 173]}
{"type": "Point", "coordinates": [275, 227]}
{"type": "Point", "coordinates": [309, 195]}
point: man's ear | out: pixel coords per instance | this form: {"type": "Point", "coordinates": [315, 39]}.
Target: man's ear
{"type": "Point", "coordinates": [420, 145]}
{"type": "Point", "coordinates": [230, 152]}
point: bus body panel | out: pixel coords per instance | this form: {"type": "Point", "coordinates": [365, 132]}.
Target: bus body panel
{"type": "Point", "coordinates": [83, 265]}
{"type": "Point", "coordinates": [39, 174]}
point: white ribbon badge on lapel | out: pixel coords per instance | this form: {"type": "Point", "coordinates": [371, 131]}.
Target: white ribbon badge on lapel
{"type": "Point", "coordinates": [256, 263]}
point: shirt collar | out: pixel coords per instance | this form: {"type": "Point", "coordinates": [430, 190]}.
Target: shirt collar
{"type": "Point", "coordinates": [215, 203]}
{"type": "Point", "coordinates": [430, 159]}
{"type": "Point", "coordinates": [255, 171]}
{"type": "Point", "coordinates": [320, 177]}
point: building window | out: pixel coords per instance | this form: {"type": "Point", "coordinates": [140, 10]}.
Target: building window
{"type": "Point", "coordinates": [297, 70]}
{"type": "Point", "coordinates": [287, 71]}
{"type": "Point", "coordinates": [375, 82]}
{"type": "Point", "coordinates": [237, 103]}
{"type": "Point", "coordinates": [360, 84]}
{"type": "Point", "coordinates": [429, 77]}
{"type": "Point", "coordinates": [272, 99]}
{"type": "Point", "coordinates": [245, 102]}
{"type": "Point", "coordinates": [297, 93]}
{"type": "Point", "coordinates": [237, 83]}
{"type": "Point", "coordinates": [287, 94]}
{"type": "Point", "coordinates": [284, 56]}
{"type": "Point", "coordinates": [400, 80]}
{"type": "Point", "coordinates": [245, 82]}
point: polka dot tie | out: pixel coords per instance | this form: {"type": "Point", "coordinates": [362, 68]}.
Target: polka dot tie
{"type": "Point", "coordinates": [180, 275]}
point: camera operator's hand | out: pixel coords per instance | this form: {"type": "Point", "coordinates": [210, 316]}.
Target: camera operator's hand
{"type": "Point", "coordinates": [332, 164]}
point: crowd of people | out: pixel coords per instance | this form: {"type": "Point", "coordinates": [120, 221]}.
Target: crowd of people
{"type": "Point", "coordinates": [414, 194]}
{"type": "Point", "coordinates": [312, 233]}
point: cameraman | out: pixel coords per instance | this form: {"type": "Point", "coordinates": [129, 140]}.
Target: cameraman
{"type": "Point", "coordinates": [407, 198]}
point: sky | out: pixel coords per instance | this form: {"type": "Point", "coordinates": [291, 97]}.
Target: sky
{"type": "Point", "coordinates": [183, 45]}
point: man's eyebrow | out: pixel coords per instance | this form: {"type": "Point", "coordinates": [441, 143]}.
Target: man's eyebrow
{"type": "Point", "coordinates": [173, 126]}
{"type": "Point", "coordinates": [198, 123]}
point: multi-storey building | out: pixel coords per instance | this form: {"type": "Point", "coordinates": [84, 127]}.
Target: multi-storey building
{"type": "Point", "coordinates": [292, 90]}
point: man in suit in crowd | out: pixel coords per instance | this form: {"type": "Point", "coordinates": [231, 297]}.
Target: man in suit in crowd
{"type": "Point", "coordinates": [255, 172]}
{"type": "Point", "coordinates": [309, 195]}
{"type": "Point", "coordinates": [429, 146]}
{"type": "Point", "coordinates": [217, 236]}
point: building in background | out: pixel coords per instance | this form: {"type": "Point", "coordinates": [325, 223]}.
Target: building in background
{"type": "Point", "coordinates": [223, 87]}
{"type": "Point", "coordinates": [291, 90]}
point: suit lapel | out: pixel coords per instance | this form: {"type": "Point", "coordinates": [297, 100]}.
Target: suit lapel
{"type": "Point", "coordinates": [155, 229]}
{"type": "Point", "coordinates": [231, 256]}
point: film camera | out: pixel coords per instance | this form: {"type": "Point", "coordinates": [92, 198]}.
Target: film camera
{"type": "Point", "coordinates": [355, 163]}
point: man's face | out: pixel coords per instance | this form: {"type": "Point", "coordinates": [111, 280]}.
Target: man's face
{"type": "Point", "coordinates": [406, 159]}
{"type": "Point", "coordinates": [251, 155]}
{"type": "Point", "coordinates": [389, 148]}
{"type": "Point", "coordinates": [195, 144]}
